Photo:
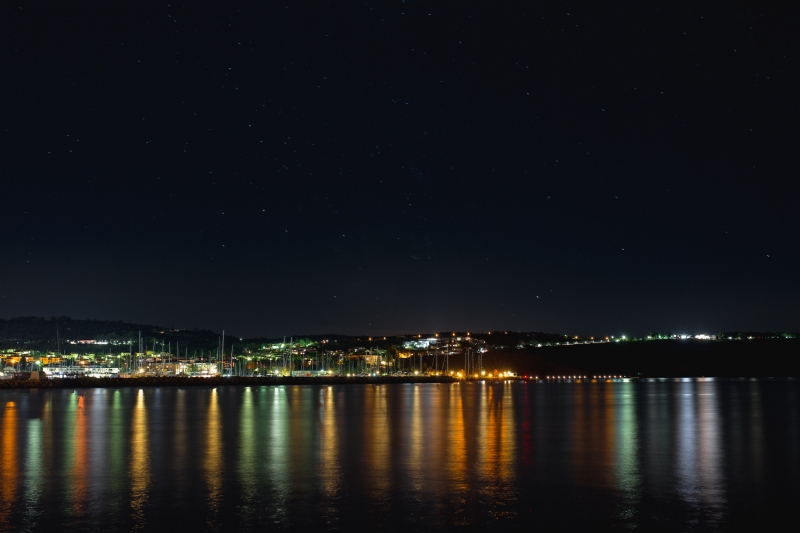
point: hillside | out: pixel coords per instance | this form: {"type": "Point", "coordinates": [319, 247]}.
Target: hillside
{"type": "Point", "coordinates": [667, 358]}
{"type": "Point", "coordinates": [656, 358]}
{"type": "Point", "coordinates": [37, 333]}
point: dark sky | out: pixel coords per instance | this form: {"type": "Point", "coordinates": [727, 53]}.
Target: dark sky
{"type": "Point", "coordinates": [399, 167]}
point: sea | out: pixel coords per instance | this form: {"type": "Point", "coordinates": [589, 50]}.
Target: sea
{"type": "Point", "coordinates": [637, 455]}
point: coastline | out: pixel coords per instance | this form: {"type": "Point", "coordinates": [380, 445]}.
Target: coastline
{"type": "Point", "coordinates": [178, 381]}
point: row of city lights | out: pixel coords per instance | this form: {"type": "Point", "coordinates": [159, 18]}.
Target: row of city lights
{"type": "Point", "coordinates": [582, 377]}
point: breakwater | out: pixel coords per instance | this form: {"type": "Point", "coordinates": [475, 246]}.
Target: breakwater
{"type": "Point", "coordinates": [180, 381]}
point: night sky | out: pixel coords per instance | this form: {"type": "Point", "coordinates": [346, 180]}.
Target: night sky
{"type": "Point", "coordinates": [402, 167]}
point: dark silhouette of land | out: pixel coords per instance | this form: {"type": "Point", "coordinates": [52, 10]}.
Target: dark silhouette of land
{"type": "Point", "coordinates": [526, 353]}
{"type": "Point", "coordinates": [663, 358]}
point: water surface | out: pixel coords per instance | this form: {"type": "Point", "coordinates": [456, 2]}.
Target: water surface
{"type": "Point", "coordinates": [668, 455]}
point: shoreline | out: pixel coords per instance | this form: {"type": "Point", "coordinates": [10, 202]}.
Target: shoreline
{"type": "Point", "coordinates": [177, 381]}
{"type": "Point", "coordinates": [120, 383]}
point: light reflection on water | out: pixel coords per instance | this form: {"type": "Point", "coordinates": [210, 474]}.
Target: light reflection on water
{"type": "Point", "coordinates": [699, 469]}
{"type": "Point", "coordinates": [663, 455]}
{"type": "Point", "coordinates": [213, 455]}
{"type": "Point", "coordinates": [140, 462]}
{"type": "Point", "coordinates": [276, 445]}
{"type": "Point", "coordinates": [247, 459]}
{"type": "Point", "coordinates": [378, 452]}
{"type": "Point", "coordinates": [79, 473]}
{"type": "Point", "coordinates": [9, 473]}
{"type": "Point", "coordinates": [329, 462]}
{"type": "Point", "coordinates": [34, 475]}
{"type": "Point", "coordinates": [627, 451]}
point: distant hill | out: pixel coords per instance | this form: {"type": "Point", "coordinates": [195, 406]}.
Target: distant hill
{"type": "Point", "coordinates": [664, 358]}
{"type": "Point", "coordinates": [507, 350]}
{"type": "Point", "coordinates": [39, 333]}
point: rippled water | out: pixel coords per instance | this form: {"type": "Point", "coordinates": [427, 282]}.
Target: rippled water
{"type": "Point", "coordinates": [686, 455]}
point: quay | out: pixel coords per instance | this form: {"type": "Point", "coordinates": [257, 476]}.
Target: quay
{"type": "Point", "coordinates": [215, 381]}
